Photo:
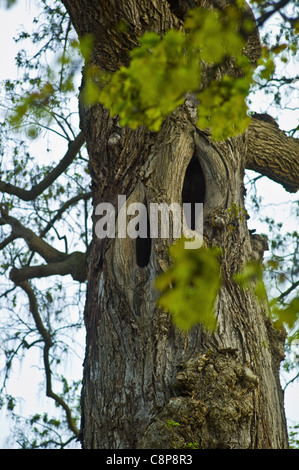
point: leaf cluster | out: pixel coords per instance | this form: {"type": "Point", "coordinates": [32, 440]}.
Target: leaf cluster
{"type": "Point", "coordinates": [163, 69]}
{"type": "Point", "coordinates": [190, 286]}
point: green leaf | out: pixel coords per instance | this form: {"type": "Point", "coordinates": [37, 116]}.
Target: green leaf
{"type": "Point", "coordinates": [222, 106]}
{"type": "Point", "coordinates": [190, 286]}
{"type": "Point", "coordinates": [287, 315]}
{"type": "Point", "coordinates": [163, 69]}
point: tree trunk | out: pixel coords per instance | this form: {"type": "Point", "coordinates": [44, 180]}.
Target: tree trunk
{"type": "Point", "coordinates": [140, 372]}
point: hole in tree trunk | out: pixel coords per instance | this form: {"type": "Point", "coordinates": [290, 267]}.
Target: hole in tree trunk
{"type": "Point", "coordinates": [194, 188]}
{"type": "Point", "coordinates": [144, 245]}
{"type": "Point", "coordinates": [181, 7]}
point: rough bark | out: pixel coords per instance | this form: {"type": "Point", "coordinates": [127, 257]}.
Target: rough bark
{"type": "Point", "coordinates": [140, 371]}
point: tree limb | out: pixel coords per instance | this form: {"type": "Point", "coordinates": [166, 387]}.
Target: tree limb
{"type": "Point", "coordinates": [29, 195]}
{"type": "Point", "coordinates": [267, 14]}
{"type": "Point", "coordinates": [63, 208]}
{"type": "Point", "coordinates": [74, 264]}
{"type": "Point", "coordinates": [48, 343]}
{"type": "Point", "coordinates": [34, 242]}
{"type": "Point", "coordinates": [35, 313]}
{"type": "Point", "coordinates": [288, 291]}
{"type": "Point", "coordinates": [272, 153]}
{"type": "Point", "coordinates": [59, 263]}
{"type": "Point", "coordinates": [57, 216]}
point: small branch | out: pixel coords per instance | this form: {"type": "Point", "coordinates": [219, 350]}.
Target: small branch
{"type": "Point", "coordinates": [291, 381]}
{"type": "Point", "coordinates": [7, 292]}
{"type": "Point", "coordinates": [7, 240]}
{"type": "Point", "coordinates": [29, 195]}
{"type": "Point", "coordinates": [48, 343]}
{"type": "Point", "coordinates": [288, 291]}
{"type": "Point", "coordinates": [63, 208]}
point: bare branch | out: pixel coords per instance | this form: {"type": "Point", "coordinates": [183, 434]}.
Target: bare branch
{"type": "Point", "coordinates": [63, 208]}
{"type": "Point", "coordinates": [34, 242]}
{"type": "Point", "coordinates": [267, 14]}
{"type": "Point", "coordinates": [59, 263]}
{"type": "Point", "coordinates": [48, 343]}
{"type": "Point", "coordinates": [60, 211]}
{"type": "Point", "coordinates": [288, 291]}
{"type": "Point", "coordinates": [29, 195]}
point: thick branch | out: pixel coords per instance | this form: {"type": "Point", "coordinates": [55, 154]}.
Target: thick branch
{"type": "Point", "coordinates": [272, 153]}
{"type": "Point", "coordinates": [74, 264]}
{"type": "Point", "coordinates": [29, 195]}
{"type": "Point", "coordinates": [34, 242]}
{"type": "Point", "coordinates": [59, 263]}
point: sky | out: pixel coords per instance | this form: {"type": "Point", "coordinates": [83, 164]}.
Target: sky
{"type": "Point", "coordinates": [28, 377]}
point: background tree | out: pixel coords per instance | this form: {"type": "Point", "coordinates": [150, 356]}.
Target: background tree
{"type": "Point", "coordinates": [157, 381]}
{"type": "Point", "coordinates": [45, 203]}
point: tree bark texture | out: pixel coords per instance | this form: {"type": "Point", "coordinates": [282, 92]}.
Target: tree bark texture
{"type": "Point", "coordinates": [141, 372]}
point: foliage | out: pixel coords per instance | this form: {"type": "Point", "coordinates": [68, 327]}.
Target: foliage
{"type": "Point", "coordinates": [252, 274]}
{"type": "Point", "coordinates": [171, 425]}
{"type": "Point", "coordinates": [8, 3]}
{"type": "Point", "coordinates": [190, 286]}
{"type": "Point", "coordinates": [294, 437]}
{"type": "Point", "coordinates": [163, 70]}
{"type": "Point", "coordinates": [42, 431]}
